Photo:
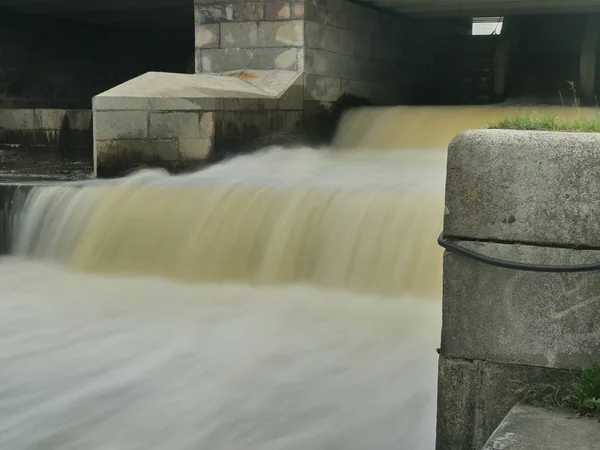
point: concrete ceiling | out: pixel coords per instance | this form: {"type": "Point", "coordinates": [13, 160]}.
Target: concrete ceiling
{"type": "Point", "coordinates": [483, 8]}
{"type": "Point", "coordinates": [180, 12]}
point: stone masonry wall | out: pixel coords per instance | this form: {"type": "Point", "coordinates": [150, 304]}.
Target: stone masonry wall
{"type": "Point", "coordinates": [242, 35]}
{"type": "Point", "coordinates": [342, 47]}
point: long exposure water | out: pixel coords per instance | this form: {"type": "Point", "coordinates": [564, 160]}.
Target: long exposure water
{"type": "Point", "coordinates": [288, 299]}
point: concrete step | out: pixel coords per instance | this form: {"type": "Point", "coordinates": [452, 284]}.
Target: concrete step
{"type": "Point", "coordinates": [530, 428]}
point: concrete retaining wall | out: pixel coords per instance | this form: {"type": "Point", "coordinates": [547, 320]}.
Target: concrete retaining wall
{"type": "Point", "coordinates": [69, 131]}
{"type": "Point", "coordinates": [176, 121]}
{"type": "Point", "coordinates": [527, 197]}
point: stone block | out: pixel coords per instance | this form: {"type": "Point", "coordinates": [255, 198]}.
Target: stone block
{"type": "Point", "coordinates": [48, 119]}
{"type": "Point", "coordinates": [326, 89]}
{"type": "Point", "coordinates": [119, 103]}
{"type": "Point", "coordinates": [194, 149]}
{"type": "Point", "coordinates": [249, 12]}
{"type": "Point", "coordinates": [215, 13]}
{"type": "Point", "coordinates": [278, 11]}
{"type": "Point", "coordinates": [542, 319]}
{"type": "Point", "coordinates": [107, 153]}
{"type": "Point", "coordinates": [135, 151]}
{"type": "Point", "coordinates": [458, 384]}
{"type": "Point", "coordinates": [529, 428]}
{"type": "Point", "coordinates": [293, 97]}
{"type": "Point", "coordinates": [79, 119]}
{"type": "Point", "coordinates": [474, 397]}
{"type": "Point", "coordinates": [314, 13]}
{"type": "Point", "coordinates": [120, 125]}
{"type": "Point", "coordinates": [17, 119]}
{"type": "Point", "coordinates": [297, 10]}
{"type": "Point", "coordinates": [225, 59]}
{"type": "Point", "coordinates": [262, 34]}
{"type": "Point", "coordinates": [164, 125]}
{"type": "Point", "coordinates": [185, 104]}
{"type": "Point", "coordinates": [207, 36]}
{"type": "Point", "coordinates": [524, 186]}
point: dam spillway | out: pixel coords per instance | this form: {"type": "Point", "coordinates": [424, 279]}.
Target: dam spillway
{"type": "Point", "coordinates": [286, 299]}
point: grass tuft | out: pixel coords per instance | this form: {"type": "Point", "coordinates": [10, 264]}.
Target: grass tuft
{"type": "Point", "coordinates": [540, 122]}
{"type": "Point", "coordinates": [582, 396]}
{"type": "Point", "coordinates": [546, 123]}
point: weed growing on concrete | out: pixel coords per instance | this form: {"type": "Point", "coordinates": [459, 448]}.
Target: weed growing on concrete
{"type": "Point", "coordinates": [582, 395]}
{"type": "Point", "coordinates": [540, 122]}
{"type": "Point", "coordinates": [586, 392]}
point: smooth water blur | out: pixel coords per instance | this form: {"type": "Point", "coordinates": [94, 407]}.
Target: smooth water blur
{"type": "Point", "coordinates": [288, 299]}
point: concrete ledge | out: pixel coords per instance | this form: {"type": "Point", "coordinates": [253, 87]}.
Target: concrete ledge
{"type": "Point", "coordinates": [172, 120]}
{"type": "Point", "coordinates": [524, 186]}
{"type": "Point", "coordinates": [528, 428]}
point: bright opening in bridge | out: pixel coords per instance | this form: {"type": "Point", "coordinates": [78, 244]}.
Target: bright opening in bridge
{"type": "Point", "coordinates": [486, 26]}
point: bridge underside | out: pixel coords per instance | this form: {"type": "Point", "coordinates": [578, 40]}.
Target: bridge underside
{"type": "Point", "coordinates": [178, 11]}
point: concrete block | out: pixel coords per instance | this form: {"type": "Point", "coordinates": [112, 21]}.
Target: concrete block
{"type": "Point", "coordinates": [502, 315]}
{"type": "Point", "coordinates": [17, 119]}
{"type": "Point", "coordinates": [278, 11]}
{"type": "Point", "coordinates": [79, 119]}
{"type": "Point", "coordinates": [120, 103]}
{"type": "Point", "coordinates": [474, 397]}
{"type": "Point", "coordinates": [458, 383]}
{"type": "Point", "coordinates": [529, 428]}
{"type": "Point", "coordinates": [164, 125]}
{"type": "Point", "coordinates": [135, 151]}
{"type": "Point", "coordinates": [48, 119]}
{"type": "Point", "coordinates": [262, 34]}
{"type": "Point", "coordinates": [297, 10]}
{"type": "Point", "coordinates": [524, 186]}
{"type": "Point", "coordinates": [249, 12]}
{"type": "Point", "coordinates": [194, 149]}
{"type": "Point", "coordinates": [293, 97]}
{"type": "Point", "coordinates": [107, 153]}
{"type": "Point", "coordinates": [336, 65]}
{"type": "Point", "coordinates": [207, 36]}
{"type": "Point", "coordinates": [216, 13]}
{"type": "Point", "coordinates": [314, 13]}
{"type": "Point", "coordinates": [225, 59]}
{"type": "Point", "coordinates": [185, 104]}
{"type": "Point", "coordinates": [293, 121]}
{"type": "Point", "coordinates": [120, 125]}
{"type": "Point", "coordinates": [326, 89]}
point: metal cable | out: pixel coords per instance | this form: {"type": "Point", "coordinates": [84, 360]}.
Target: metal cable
{"type": "Point", "coordinates": [451, 246]}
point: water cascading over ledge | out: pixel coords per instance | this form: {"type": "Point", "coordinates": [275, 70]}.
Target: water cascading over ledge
{"type": "Point", "coordinates": [309, 317]}
{"type": "Point", "coordinates": [279, 217]}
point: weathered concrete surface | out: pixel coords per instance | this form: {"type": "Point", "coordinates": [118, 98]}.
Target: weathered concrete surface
{"type": "Point", "coordinates": [524, 186]}
{"type": "Point", "coordinates": [529, 428]}
{"type": "Point", "coordinates": [542, 319]}
{"type": "Point", "coordinates": [67, 131]}
{"type": "Point", "coordinates": [173, 120]}
{"type": "Point", "coordinates": [474, 397]}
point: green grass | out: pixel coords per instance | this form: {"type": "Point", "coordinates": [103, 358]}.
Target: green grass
{"type": "Point", "coordinates": [582, 396]}
{"type": "Point", "coordinates": [541, 122]}
{"type": "Point", "coordinates": [546, 123]}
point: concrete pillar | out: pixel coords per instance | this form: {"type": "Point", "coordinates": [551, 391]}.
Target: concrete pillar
{"type": "Point", "coordinates": [504, 57]}
{"type": "Point", "coordinates": [587, 64]}
{"type": "Point", "coordinates": [527, 197]}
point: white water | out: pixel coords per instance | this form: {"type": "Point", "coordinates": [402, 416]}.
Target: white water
{"type": "Point", "coordinates": [293, 349]}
